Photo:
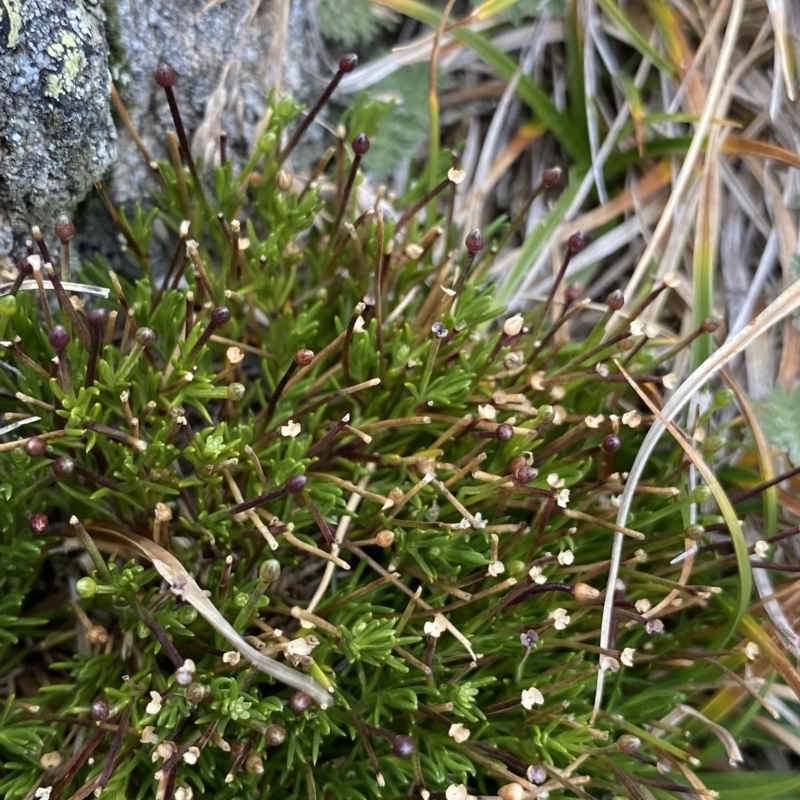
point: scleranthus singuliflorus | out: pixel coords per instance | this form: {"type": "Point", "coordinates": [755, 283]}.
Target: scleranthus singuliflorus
{"type": "Point", "coordinates": [405, 558]}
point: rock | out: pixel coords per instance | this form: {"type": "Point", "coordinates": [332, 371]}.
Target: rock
{"type": "Point", "coordinates": [56, 130]}
{"type": "Point", "coordinates": [55, 111]}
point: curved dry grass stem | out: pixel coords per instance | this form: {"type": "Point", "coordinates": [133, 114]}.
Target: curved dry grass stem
{"type": "Point", "coordinates": [687, 173]}
{"type": "Point", "coordinates": [785, 304]}
{"type": "Point", "coordinates": [185, 586]}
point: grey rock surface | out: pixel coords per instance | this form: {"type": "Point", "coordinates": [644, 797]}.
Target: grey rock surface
{"type": "Point", "coordinates": [56, 130]}
{"type": "Point", "coordinates": [227, 59]}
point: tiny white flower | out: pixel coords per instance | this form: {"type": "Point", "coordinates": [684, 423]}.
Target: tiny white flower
{"type": "Point", "coordinates": [607, 662]}
{"type": "Point", "coordinates": [456, 175]}
{"type": "Point", "coordinates": [291, 429]}
{"type": "Point", "coordinates": [464, 524]}
{"type": "Point", "coordinates": [616, 499]}
{"type": "Point", "coordinates": [532, 697]}
{"type": "Point", "coordinates": [560, 618]}
{"type": "Point", "coordinates": [50, 760]}
{"type": "Point", "coordinates": [148, 735]}
{"type": "Point", "coordinates": [413, 251]}
{"type": "Point", "coordinates": [558, 393]}
{"type": "Point", "coordinates": [650, 330]}
{"type": "Point", "coordinates": [231, 657]}
{"type": "Point", "coordinates": [165, 750]}
{"type": "Point", "coordinates": [301, 646]}
{"type": "Point", "coordinates": [536, 575]}
{"type": "Point", "coordinates": [513, 325]}
{"type": "Point", "coordinates": [669, 380]}
{"type": "Point", "coordinates": [154, 706]}
{"type": "Point", "coordinates": [43, 793]}
{"type": "Point", "coordinates": [751, 651]}
{"type": "Point", "coordinates": [566, 557]}
{"type": "Point", "coordinates": [593, 422]}
{"type": "Point", "coordinates": [555, 481]}
{"type": "Point", "coordinates": [562, 498]}
{"type": "Point", "coordinates": [456, 791]}
{"type": "Point", "coordinates": [488, 412]}
{"type": "Point", "coordinates": [627, 656]}
{"type": "Point", "coordinates": [632, 419]}
{"type": "Point", "coordinates": [672, 279]}
{"type": "Point", "coordinates": [435, 627]}
{"type": "Point", "coordinates": [496, 568]}
{"type": "Point", "coordinates": [536, 381]}
{"type": "Point", "coordinates": [459, 732]}
{"type": "Point", "coordinates": [358, 325]}
{"type": "Point", "coordinates": [480, 522]}
{"type": "Point", "coordinates": [560, 415]}
{"type": "Point", "coordinates": [184, 793]}
{"type": "Point", "coordinates": [761, 548]}
{"type": "Point", "coordinates": [191, 755]}
{"type": "Point", "coordinates": [601, 369]}
{"type": "Point", "coordinates": [643, 605]}
{"type": "Point", "coordinates": [637, 327]}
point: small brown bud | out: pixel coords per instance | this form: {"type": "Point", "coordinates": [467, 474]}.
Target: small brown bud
{"type": "Point", "coordinates": [300, 702]}
{"type": "Point", "coordinates": [254, 764]}
{"type": "Point", "coordinates": [35, 447]}
{"type": "Point", "coordinates": [275, 735]}
{"type": "Point", "coordinates": [283, 180]}
{"type": "Point", "coordinates": [97, 634]}
{"type": "Point", "coordinates": [511, 791]}
{"type": "Point", "coordinates": [628, 744]}
{"type": "Point", "coordinates": [710, 324]}
{"type": "Point", "coordinates": [615, 300]}
{"type": "Point", "coordinates": [504, 432]}
{"type": "Point", "coordinates": [611, 443]}
{"type": "Point", "coordinates": [303, 357]}
{"type": "Point", "coordinates": [361, 144]}
{"type": "Point", "coordinates": [100, 711]}
{"type": "Point", "coordinates": [525, 474]}
{"type": "Point", "coordinates": [515, 464]}
{"type": "Point", "coordinates": [384, 539]}
{"type": "Point", "coordinates": [584, 593]}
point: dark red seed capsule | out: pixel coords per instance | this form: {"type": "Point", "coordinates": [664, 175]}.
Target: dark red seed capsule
{"type": "Point", "coordinates": [361, 144]}
{"type": "Point", "coordinates": [504, 432]}
{"type": "Point", "coordinates": [573, 293]}
{"type": "Point", "coordinates": [611, 443]}
{"type": "Point", "coordinates": [296, 483]}
{"type": "Point", "coordinates": [526, 474]}
{"type": "Point", "coordinates": [64, 229]}
{"type": "Point", "coordinates": [38, 523]}
{"type": "Point", "coordinates": [220, 315]}
{"type": "Point", "coordinates": [165, 75]}
{"type": "Point", "coordinates": [100, 710]}
{"type": "Point", "coordinates": [551, 177]}
{"type": "Point", "coordinates": [403, 746]}
{"type": "Point", "coordinates": [576, 242]}
{"type": "Point", "coordinates": [348, 63]}
{"type": "Point", "coordinates": [35, 447]}
{"type": "Point", "coordinates": [24, 266]}
{"type": "Point", "coordinates": [97, 318]}
{"type": "Point", "coordinates": [59, 337]}
{"type": "Point", "coordinates": [474, 241]}
{"type": "Point", "coordinates": [710, 324]}
{"type": "Point", "coordinates": [63, 467]}
{"type": "Point", "coordinates": [300, 702]}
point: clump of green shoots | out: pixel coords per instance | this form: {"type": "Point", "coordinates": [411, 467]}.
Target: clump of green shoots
{"type": "Point", "coordinates": [304, 513]}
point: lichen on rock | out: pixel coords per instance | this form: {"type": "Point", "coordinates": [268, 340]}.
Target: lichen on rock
{"type": "Point", "coordinates": [56, 130]}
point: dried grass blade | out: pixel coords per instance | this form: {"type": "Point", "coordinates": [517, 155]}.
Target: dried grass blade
{"type": "Point", "coordinates": [785, 304]}
{"type": "Point", "coordinates": [184, 585]}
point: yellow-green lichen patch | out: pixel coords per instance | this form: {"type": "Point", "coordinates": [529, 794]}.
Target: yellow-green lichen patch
{"type": "Point", "coordinates": [72, 62]}
{"type": "Point", "coordinates": [14, 21]}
